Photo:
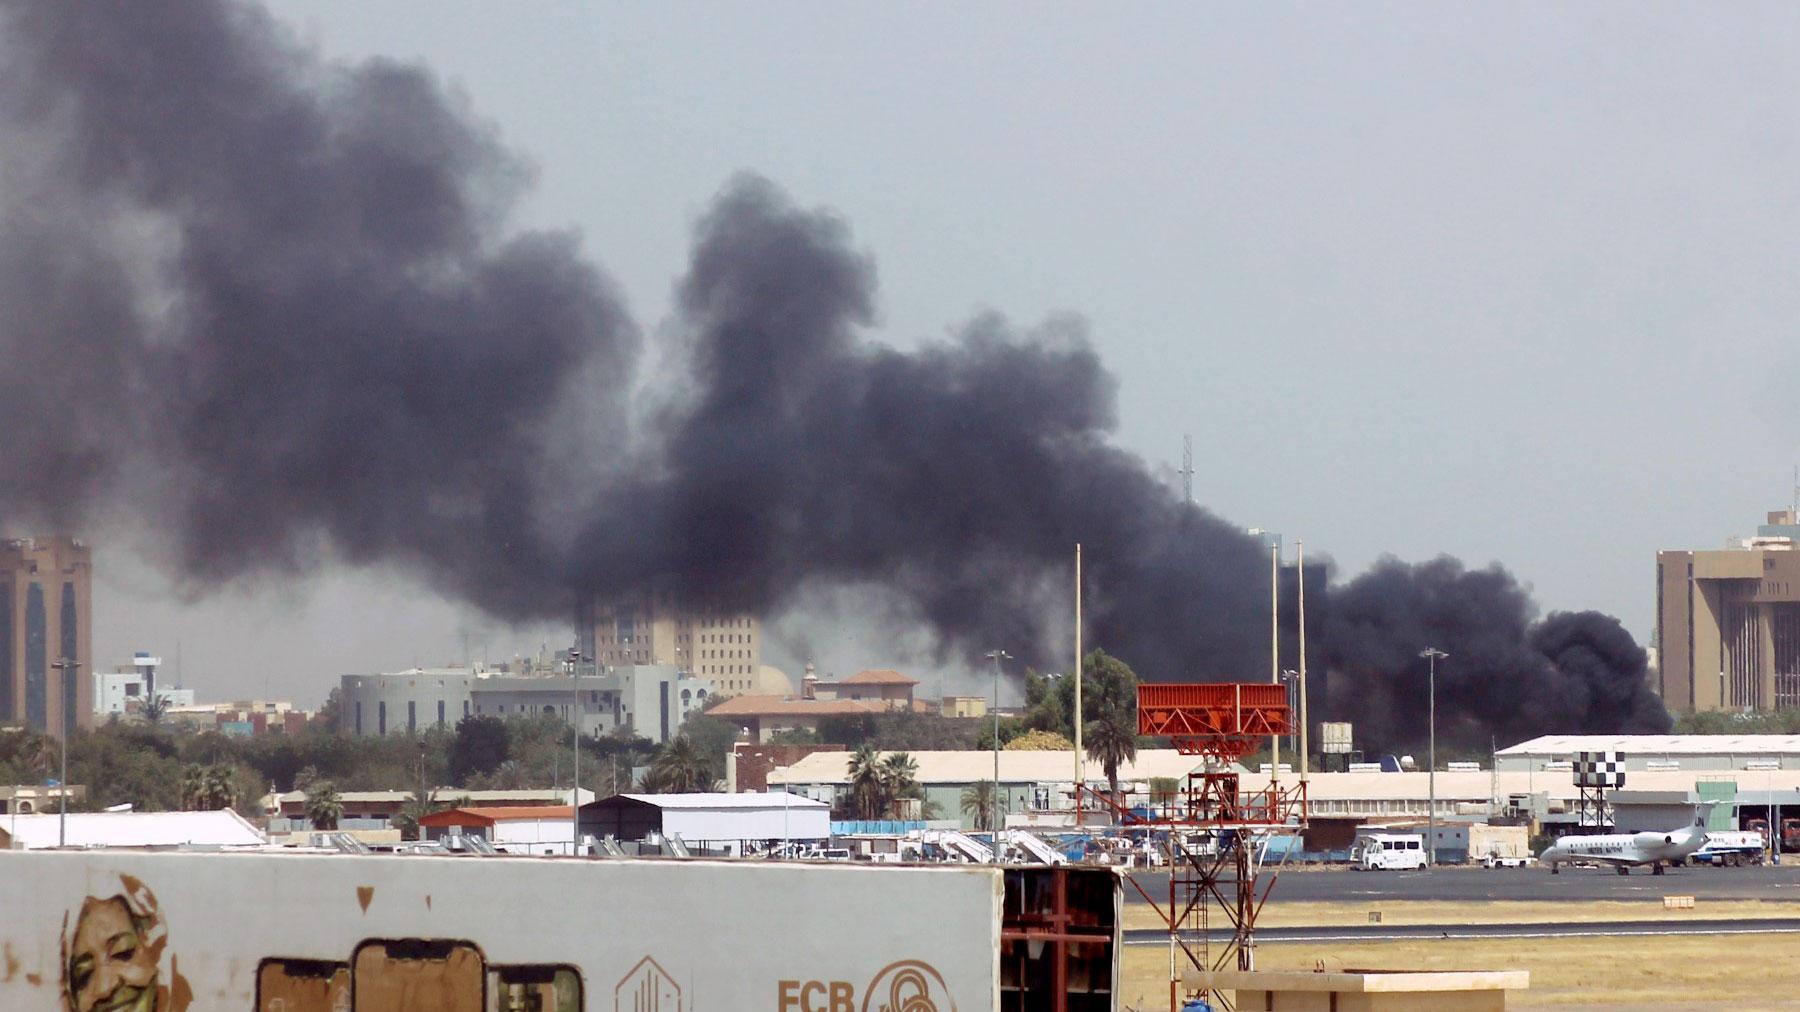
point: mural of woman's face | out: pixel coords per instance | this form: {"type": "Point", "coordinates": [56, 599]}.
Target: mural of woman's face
{"type": "Point", "coordinates": [110, 967]}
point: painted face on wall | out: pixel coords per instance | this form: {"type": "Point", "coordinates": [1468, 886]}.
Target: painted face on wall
{"type": "Point", "coordinates": [112, 966]}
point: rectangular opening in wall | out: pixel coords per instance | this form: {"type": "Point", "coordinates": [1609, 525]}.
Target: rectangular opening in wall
{"type": "Point", "coordinates": [302, 985]}
{"type": "Point", "coordinates": [406, 974]}
{"type": "Point", "coordinates": [534, 989]}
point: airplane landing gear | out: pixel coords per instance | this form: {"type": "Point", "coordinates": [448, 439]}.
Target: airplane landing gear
{"type": "Point", "coordinates": [1624, 870]}
{"type": "Point", "coordinates": [1656, 868]}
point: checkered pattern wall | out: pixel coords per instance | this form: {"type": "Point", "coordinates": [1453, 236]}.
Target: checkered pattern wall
{"type": "Point", "coordinates": [1599, 769]}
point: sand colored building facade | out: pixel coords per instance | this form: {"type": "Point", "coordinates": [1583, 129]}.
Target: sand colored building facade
{"type": "Point", "coordinates": [1728, 622]}
{"type": "Point", "coordinates": [721, 647]}
{"type": "Point", "coordinates": [45, 602]}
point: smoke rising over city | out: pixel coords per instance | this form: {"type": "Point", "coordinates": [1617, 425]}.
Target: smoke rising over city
{"type": "Point", "coordinates": [294, 283]}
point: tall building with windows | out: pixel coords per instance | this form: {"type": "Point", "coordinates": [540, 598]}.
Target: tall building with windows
{"type": "Point", "coordinates": [721, 647]}
{"type": "Point", "coordinates": [1728, 622]}
{"type": "Point", "coordinates": [45, 604]}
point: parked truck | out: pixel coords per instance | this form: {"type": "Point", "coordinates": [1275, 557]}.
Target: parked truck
{"type": "Point", "coordinates": [1731, 848]}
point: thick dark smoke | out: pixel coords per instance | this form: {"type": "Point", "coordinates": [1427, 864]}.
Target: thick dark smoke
{"type": "Point", "coordinates": [1507, 675]}
{"type": "Point", "coordinates": [283, 282]}
{"type": "Point", "coordinates": [293, 283]}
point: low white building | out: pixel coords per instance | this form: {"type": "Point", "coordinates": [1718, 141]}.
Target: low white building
{"type": "Point", "coordinates": [516, 830]}
{"type": "Point", "coordinates": [221, 830]}
{"type": "Point", "coordinates": [124, 690]}
{"type": "Point", "coordinates": [713, 821]}
{"type": "Point", "coordinates": [1651, 753]}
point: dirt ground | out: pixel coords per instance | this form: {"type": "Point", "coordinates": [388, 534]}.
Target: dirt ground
{"type": "Point", "coordinates": [1680, 973]}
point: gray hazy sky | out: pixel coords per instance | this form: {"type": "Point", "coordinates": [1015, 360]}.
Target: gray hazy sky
{"type": "Point", "coordinates": [1515, 285]}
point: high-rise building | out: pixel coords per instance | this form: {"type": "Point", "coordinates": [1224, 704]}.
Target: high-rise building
{"type": "Point", "coordinates": [45, 598]}
{"type": "Point", "coordinates": [1728, 622]}
{"type": "Point", "coordinates": [721, 647]}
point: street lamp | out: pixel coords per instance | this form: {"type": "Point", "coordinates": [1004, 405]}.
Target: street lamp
{"type": "Point", "coordinates": [575, 659]}
{"type": "Point", "coordinates": [66, 668]}
{"type": "Point", "coordinates": [1431, 655]}
{"type": "Point", "coordinates": [1291, 680]}
{"type": "Point", "coordinates": [994, 818]}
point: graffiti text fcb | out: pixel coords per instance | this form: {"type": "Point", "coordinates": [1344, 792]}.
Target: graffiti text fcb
{"type": "Point", "coordinates": [906, 986]}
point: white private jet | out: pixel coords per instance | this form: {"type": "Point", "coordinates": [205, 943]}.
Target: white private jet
{"type": "Point", "coordinates": [1625, 850]}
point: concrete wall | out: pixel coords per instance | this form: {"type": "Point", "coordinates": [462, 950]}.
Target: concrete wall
{"type": "Point", "coordinates": [861, 923]}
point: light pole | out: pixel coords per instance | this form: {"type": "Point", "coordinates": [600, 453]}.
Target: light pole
{"type": "Point", "coordinates": [1431, 655]}
{"type": "Point", "coordinates": [66, 668]}
{"type": "Point", "coordinates": [575, 793]}
{"type": "Point", "coordinates": [1291, 680]}
{"type": "Point", "coordinates": [994, 817]}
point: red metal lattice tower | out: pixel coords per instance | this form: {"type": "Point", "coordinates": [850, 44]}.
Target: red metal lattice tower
{"type": "Point", "coordinates": [1212, 823]}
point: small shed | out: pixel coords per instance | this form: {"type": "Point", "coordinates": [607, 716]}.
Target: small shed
{"type": "Point", "coordinates": [523, 829]}
{"type": "Point", "coordinates": [712, 820]}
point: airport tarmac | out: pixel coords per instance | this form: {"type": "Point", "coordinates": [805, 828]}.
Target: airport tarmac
{"type": "Point", "coordinates": [1476, 884]}
{"type": "Point", "coordinates": [1563, 929]}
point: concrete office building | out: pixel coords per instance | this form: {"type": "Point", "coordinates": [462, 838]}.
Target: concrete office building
{"type": "Point", "coordinates": [725, 649]}
{"type": "Point", "coordinates": [649, 700]}
{"type": "Point", "coordinates": [45, 605]}
{"type": "Point", "coordinates": [126, 688]}
{"type": "Point", "coordinates": [1728, 622]}
{"type": "Point", "coordinates": [413, 700]}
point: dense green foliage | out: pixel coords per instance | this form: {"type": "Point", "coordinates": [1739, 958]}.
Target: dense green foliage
{"type": "Point", "coordinates": [878, 783]}
{"type": "Point", "coordinates": [163, 766]}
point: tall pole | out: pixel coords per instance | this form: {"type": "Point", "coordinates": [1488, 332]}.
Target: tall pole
{"type": "Point", "coordinates": [1300, 567]}
{"type": "Point", "coordinates": [575, 792]}
{"type": "Point", "coordinates": [994, 798]}
{"type": "Point", "coordinates": [1431, 655]}
{"type": "Point", "coordinates": [65, 668]}
{"type": "Point", "coordinates": [1275, 647]}
{"type": "Point", "coordinates": [1079, 757]}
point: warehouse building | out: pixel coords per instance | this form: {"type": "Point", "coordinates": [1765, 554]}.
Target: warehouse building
{"type": "Point", "coordinates": [722, 823]}
{"type": "Point", "coordinates": [1645, 753]}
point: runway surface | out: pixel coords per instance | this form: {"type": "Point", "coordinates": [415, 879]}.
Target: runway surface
{"type": "Point", "coordinates": [1408, 932]}
{"type": "Point", "coordinates": [1460, 884]}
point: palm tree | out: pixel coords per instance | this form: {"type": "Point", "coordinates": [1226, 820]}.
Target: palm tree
{"type": "Point", "coordinates": [193, 785]}
{"type": "Point", "coordinates": [899, 779]}
{"type": "Point", "coordinates": [865, 782]}
{"type": "Point", "coordinates": [418, 807]}
{"type": "Point", "coordinates": [323, 806]}
{"type": "Point", "coordinates": [154, 710]}
{"type": "Point", "coordinates": [1110, 742]}
{"type": "Point", "coordinates": [217, 791]}
{"type": "Point", "coordinates": [978, 803]}
{"type": "Point", "coordinates": [680, 768]}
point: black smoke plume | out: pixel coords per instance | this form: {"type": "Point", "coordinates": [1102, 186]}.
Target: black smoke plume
{"type": "Point", "coordinates": [1507, 676]}
{"type": "Point", "coordinates": [291, 284]}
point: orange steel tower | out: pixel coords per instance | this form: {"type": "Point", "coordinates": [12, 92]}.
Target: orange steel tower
{"type": "Point", "coordinates": [1214, 828]}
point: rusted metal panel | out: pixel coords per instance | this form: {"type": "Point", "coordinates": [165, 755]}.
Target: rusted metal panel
{"type": "Point", "coordinates": [1217, 718]}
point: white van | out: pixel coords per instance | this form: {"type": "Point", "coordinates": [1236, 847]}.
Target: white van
{"type": "Point", "coordinates": [1389, 852]}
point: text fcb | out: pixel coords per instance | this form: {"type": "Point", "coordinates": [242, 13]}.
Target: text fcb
{"type": "Point", "coordinates": [906, 986]}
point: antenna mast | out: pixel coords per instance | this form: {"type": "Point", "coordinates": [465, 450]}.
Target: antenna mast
{"type": "Point", "coordinates": [1187, 471]}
